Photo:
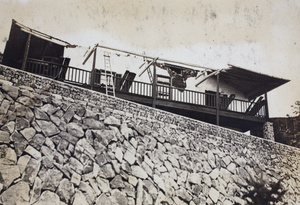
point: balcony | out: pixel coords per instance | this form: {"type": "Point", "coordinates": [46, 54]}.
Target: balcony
{"type": "Point", "coordinates": [234, 113]}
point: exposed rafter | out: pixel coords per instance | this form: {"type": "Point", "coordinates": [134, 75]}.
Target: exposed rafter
{"type": "Point", "coordinates": [210, 75]}
{"type": "Point", "coordinates": [153, 58]}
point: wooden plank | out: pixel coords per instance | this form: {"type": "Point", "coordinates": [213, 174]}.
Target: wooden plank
{"type": "Point", "coordinates": [26, 52]}
{"type": "Point", "coordinates": [86, 59]}
{"type": "Point", "coordinates": [210, 75]}
{"type": "Point", "coordinates": [142, 65]}
{"type": "Point", "coordinates": [207, 110]}
{"type": "Point", "coordinates": [147, 67]}
{"type": "Point", "coordinates": [201, 73]}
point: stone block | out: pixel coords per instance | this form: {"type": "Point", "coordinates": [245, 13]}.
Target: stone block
{"type": "Point", "coordinates": [35, 192]}
{"type": "Point", "coordinates": [62, 146]}
{"type": "Point", "coordinates": [118, 197]}
{"type": "Point", "coordinates": [75, 165]}
{"type": "Point", "coordinates": [70, 112]}
{"type": "Point", "coordinates": [107, 171]}
{"type": "Point", "coordinates": [16, 194]}
{"type": "Point", "coordinates": [194, 178]}
{"type": "Point", "coordinates": [48, 128]}
{"type": "Point", "coordinates": [40, 114]}
{"type": "Point", "coordinates": [215, 173]}
{"type": "Point", "coordinates": [111, 120]}
{"type": "Point", "coordinates": [20, 143]}
{"type": "Point", "coordinates": [21, 123]}
{"type": "Point", "coordinates": [132, 180]}
{"type": "Point", "coordinates": [103, 199]}
{"type": "Point", "coordinates": [117, 182]}
{"type": "Point", "coordinates": [48, 197]}
{"type": "Point", "coordinates": [129, 157]}
{"type": "Point", "coordinates": [91, 123]}
{"type": "Point", "coordinates": [139, 172]}
{"type": "Point", "coordinates": [8, 174]}
{"type": "Point", "coordinates": [22, 162]}
{"type": "Point", "coordinates": [28, 133]}
{"type": "Point", "coordinates": [183, 194]}
{"type": "Point", "coordinates": [75, 178]}
{"type": "Point", "coordinates": [88, 192]}
{"type": "Point", "coordinates": [49, 109]}
{"type": "Point", "coordinates": [214, 195]}
{"type": "Point", "coordinates": [79, 199]}
{"type": "Point", "coordinates": [12, 91]}
{"type": "Point", "coordinates": [37, 141]}
{"type": "Point", "coordinates": [119, 154]}
{"type": "Point", "coordinates": [4, 137]}
{"type": "Point", "coordinates": [159, 182]}
{"type": "Point", "coordinates": [75, 130]}
{"type": "Point", "coordinates": [4, 107]}
{"type": "Point", "coordinates": [65, 190]}
{"type": "Point", "coordinates": [103, 184]}
{"type": "Point", "coordinates": [8, 127]}
{"type": "Point", "coordinates": [51, 179]}
{"type": "Point", "coordinates": [33, 152]}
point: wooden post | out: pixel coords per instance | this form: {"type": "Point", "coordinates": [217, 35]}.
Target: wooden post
{"type": "Point", "coordinates": [266, 106]}
{"type": "Point", "coordinates": [26, 52]}
{"type": "Point", "coordinates": [218, 101]}
{"type": "Point", "coordinates": [93, 69]}
{"type": "Point", "coordinates": [154, 85]}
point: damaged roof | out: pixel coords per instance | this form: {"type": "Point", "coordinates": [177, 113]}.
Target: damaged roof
{"type": "Point", "coordinates": [42, 35]}
{"type": "Point", "coordinates": [251, 84]}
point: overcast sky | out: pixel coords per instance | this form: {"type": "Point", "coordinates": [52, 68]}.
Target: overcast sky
{"type": "Point", "coordinates": [263, 36]}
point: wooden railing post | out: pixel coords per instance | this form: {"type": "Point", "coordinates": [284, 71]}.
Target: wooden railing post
{"type": "Point", "coordinates": [93, 69]}
{"type": "Point", "coordinates": [154, 84]}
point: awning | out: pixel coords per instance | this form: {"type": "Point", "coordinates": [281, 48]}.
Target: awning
{"type": "Point", "coordinates": [251, 84]}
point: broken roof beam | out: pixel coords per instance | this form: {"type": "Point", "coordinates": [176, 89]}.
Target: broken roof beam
{"type": "Point", "coordinates": [210, 75]}
{"type": "Point", "coordinates": [147, 67]}
{"type": "Point", "coordinates": [201, 73]}
{"type": "Point", "coordinates": [153, 58]}
{"type": "Point", "coordinates": [89, 55]}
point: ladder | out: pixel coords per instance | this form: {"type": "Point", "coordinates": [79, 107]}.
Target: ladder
{"type": "Point", "coordinates": [150, 75]}
{"type": "Point", "coordinates": [109, 77]}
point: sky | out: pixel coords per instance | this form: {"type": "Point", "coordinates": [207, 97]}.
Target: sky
{"type": "Point", "coordinates": [262, 36]}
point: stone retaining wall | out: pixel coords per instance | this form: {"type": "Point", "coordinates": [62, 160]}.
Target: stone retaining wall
{"type": "Point", "coordinates": [62, 144]}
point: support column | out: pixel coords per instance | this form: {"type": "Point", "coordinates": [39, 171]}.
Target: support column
{"type": "Point", "coordinates": [218, 101]}
{"type": "Point", "coordinates": [268, 131]}
{"type": "Point", "coordinates": [266, 106]}
{"type": "Point", "coordinates": [26, 52]}
{"type": "Point", "coordinates": [93, 69]}
{"type": "Point", "coordinates": [154, 84]}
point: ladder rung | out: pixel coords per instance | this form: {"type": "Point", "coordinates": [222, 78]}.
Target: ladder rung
{"type": "Point", "coordinates": [109, 86]}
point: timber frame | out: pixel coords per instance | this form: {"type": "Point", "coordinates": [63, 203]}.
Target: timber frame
{"type": "Point", "coordinates": [163, 92]}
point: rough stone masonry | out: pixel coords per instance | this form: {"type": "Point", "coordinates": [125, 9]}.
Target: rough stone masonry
{"type": "Point", "coordinates": [61, 144]}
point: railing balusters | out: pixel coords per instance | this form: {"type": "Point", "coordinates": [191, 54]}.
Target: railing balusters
{"type": "Point", "coordinates": [81, 76]}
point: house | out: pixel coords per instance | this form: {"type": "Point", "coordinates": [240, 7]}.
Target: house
{"type": "Point", "coordinates": [34, 51]}
{"type": "Point", "coordinates": [232, 97]}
